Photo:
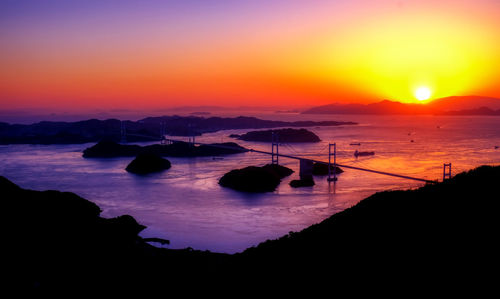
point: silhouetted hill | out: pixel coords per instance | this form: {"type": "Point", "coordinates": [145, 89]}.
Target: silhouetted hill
{"type": "Point", "coordinates": [57, 242]}
{"type": "Point", "coordinates": [444, 232]}
{"type": "Point", "coordinates": [448, 227]}
{"type": "Point", "coordinates": [147, 129]}
{"type": "Point", "coordinates": [467, 105]}
{"type": "Point", "coordinates": [202, 125]}
{"type": "Point", "coordinates": [92, 130]}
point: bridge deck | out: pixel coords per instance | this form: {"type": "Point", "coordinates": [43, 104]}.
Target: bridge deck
{"type": "Point", "coordinates": [317, 161]}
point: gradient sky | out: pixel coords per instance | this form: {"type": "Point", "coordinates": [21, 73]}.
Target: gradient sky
{"type": "Point", "coordinates": [154, 54]}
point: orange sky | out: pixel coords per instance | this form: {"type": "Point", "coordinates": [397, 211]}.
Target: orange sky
{"type": "Point", "coordinates": [124, 54]}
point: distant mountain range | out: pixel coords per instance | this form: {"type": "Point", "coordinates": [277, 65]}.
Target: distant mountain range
{"type": "Point", "coordinates": [457, 105]}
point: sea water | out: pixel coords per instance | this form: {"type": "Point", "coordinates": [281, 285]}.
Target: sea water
{"type": "Point", "coordinates": [186, 205]}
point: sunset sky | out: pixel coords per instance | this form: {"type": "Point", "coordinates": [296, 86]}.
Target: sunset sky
{"type": "Point", "coordinates": [152, 54]}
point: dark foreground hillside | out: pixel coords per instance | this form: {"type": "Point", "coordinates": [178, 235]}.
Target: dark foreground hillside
{"type": "Point", "coordinates": [438, 232]}
{"type": "Point", "coordinates": [57, 241]}
{"type": "Point", "coordinates": [445, 227]}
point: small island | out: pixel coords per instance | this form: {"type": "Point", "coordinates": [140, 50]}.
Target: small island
{"type": "Point", "coordinates": [322, 169]}
{"type": "Point", "coordinates": [283, 135]}
{"type": "Point", "coordinates": [146, 163]}
{"type": "Point", "coordinates": [111, 149]}
{"type": "Point", "coordinates": [302, 182]}
{"type": "Point", "coordinates": [255, 179]}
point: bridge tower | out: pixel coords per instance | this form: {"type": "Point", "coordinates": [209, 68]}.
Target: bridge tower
{"type": "Point", "coordinates": [191, 134]}
{"type": "Point", "coordinates": [123, 132]}
{"type": "Point", "coordinates": [274, 144]}
{"type": "Point", "coordinates": [163, 132]}
{"type": "Point", "coordinates": [330, 154]}
{"type": "Point", "coordinates": [446, 171]}
{"type": "Point", "coordinates": [162, 129]}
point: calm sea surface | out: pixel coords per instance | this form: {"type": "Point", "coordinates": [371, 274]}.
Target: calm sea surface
{"type": "Point", "coordinates": [187, 206]}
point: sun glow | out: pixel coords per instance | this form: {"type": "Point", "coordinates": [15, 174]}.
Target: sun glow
{"type": "Point", "coordinates": [175, 53]}
{"type": "Point", "coordinates": [423, 93]}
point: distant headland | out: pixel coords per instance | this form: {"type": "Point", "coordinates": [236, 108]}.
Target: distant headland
{"type": "Point", "coordinates": [147, 129]}
{"type": "Point", "coordinates": [457, 105]}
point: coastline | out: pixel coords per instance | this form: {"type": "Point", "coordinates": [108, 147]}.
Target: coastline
{"type": "Point", "coordinates": [391, 229]}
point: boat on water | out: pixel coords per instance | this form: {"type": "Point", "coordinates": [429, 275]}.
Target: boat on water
{"type": "Point", "coordinates": [358, 154]}
{"type": "Point", "coordinates": [355, 143]}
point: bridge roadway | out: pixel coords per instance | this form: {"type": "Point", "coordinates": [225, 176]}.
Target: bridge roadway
{"type": "Point", "coordinates": [315, 161]}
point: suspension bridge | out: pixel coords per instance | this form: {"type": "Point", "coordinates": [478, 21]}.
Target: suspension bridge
{"type": "Point", "coordinates": [305, 163]}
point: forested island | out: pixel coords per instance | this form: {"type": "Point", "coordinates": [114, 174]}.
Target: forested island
{"type": "Point", "coordinates": [146, 163]}
{"type": "Point", "coordinates": [255, 179]}
{"type": "Point", "coordinates": [111, 149]}
{"type": "Point", "coordinates": [287, 135]}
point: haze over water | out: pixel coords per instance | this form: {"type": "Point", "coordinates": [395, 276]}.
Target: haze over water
{"type": "Point", "coordinates": [186, 205]}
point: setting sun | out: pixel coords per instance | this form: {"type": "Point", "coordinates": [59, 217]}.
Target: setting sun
{"type": "Point", "coordinates": [422, 93]}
